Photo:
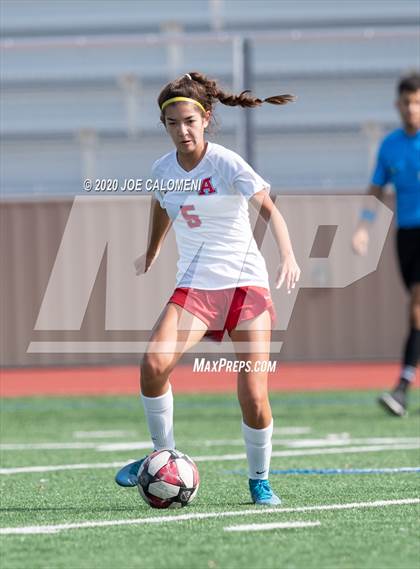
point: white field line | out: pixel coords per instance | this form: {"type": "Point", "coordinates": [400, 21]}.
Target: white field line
{"type": "Point", "coordinates": [291, 430]}
{"type": "Point", "coordinates": [101, 434]}
{"type": "Point", "coordinates": [333, 441]}
{"type": "Point", "coordinates": [77, 446]}
{"type": "Point", "coordinates": [329, 441]}
{"type": "Point", "coordinates": [59, 467]}
{"type": "Point", "coordinates": [164, 519]}
{"type": "Point", "coordinates": [309, 443]}
{"type": "Point", "coordinates": [376, 470]}
{"type": "Point", "coordinates": [275, 525]}
{"type": "Point", "coordinates": [312, 452]}
{"type": "Point", "coordinates": [213, 458]}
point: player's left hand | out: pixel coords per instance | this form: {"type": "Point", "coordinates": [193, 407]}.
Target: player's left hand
{"type": "Point", "coordinates": [288, 272]}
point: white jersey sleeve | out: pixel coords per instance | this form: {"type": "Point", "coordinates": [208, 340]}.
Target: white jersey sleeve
{"type": "Point", "coordinates": [244, 179]}
{"type": "Point", "coordinates": [155, 176]}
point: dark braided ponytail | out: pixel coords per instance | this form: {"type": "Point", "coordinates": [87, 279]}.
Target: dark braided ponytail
{"type": "Point", "coordinates": [241, 100]}
{"type": "Point", "coordinates": [206, 91]}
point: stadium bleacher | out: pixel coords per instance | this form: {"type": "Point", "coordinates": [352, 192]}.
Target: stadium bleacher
{"type": "Point", "coordinates": [76, 77]}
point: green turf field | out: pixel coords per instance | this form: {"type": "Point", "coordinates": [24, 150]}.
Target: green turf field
{"type": "Point", "coordinates": [333, 430]}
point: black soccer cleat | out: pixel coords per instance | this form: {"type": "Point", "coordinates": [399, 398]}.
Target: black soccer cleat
{"type": "Point", "coordinates": [394, 402]}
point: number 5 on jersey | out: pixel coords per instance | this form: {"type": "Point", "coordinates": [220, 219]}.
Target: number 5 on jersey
{"type": "Point", "coordinates": [192, 219]}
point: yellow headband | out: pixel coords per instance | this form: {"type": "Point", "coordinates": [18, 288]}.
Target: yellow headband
{"type": "Point", "coordinates": [184, 99]}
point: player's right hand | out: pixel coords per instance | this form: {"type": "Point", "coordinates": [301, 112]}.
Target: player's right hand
{"type": "Point", "coordinates": [143, 263]}
{"type": "Point", "coordinates": [360, 241]}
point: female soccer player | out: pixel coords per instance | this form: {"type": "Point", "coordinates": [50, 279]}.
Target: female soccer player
{"type": "Point", "coordinates": [222, 281]}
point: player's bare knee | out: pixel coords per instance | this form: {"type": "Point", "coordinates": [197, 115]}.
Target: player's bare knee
{"type": "Point", "coordinates": [254, 405]}
{"type": "Point", "coordinates": [415, 314]}
{"type": "Point", "coordinates": [415, 306]}
{"type": "Point", "coordinates": [155, 366]}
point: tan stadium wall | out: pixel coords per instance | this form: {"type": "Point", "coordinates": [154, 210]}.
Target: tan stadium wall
{"type": "Point", "coordinates": [363, 321]}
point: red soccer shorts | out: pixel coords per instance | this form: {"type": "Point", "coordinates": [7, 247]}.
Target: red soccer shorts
{"type": "Point", "coordinates": [224, 309]}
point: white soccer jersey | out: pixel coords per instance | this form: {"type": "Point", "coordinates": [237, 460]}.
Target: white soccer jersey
{"type": "Point", "coordinates": [216, 246]}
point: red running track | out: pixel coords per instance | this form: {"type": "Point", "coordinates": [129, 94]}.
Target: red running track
{"type": "Point", "coordinates": [125, 380]}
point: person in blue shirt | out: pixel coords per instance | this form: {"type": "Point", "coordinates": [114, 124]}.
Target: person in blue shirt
{"type": "Point", "coordinates": [398, 163]}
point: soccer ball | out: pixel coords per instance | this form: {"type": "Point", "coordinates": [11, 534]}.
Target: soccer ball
{"type": "Point", "coordinates": [168, 479]}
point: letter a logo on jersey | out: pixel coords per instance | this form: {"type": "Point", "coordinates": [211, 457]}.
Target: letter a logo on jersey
{"type": "Point", "coordinates": [206, 187]}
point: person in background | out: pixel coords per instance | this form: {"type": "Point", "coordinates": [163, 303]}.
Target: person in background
{"type": "Point", "coordinates": [398, 163]}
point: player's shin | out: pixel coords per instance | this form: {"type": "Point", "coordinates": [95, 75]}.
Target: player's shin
{"type": "Point", "coordinates": [159, 416]}
{"type": "Point", "coordinates": [411, 356]}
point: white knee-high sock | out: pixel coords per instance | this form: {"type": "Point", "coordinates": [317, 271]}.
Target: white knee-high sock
{"type": "Point", "coordinates": [159, 414]}
{"type": "Point", "coordinates": [258, 450]}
